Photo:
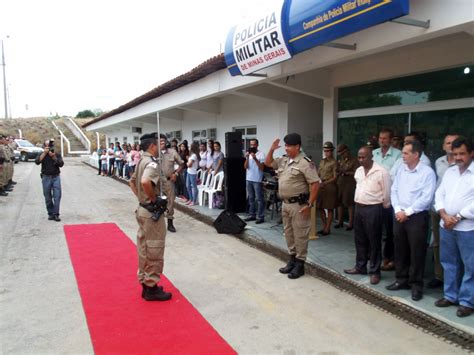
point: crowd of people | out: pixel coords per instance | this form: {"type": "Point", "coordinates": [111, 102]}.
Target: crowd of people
{"type": "Point", "coordinates": [7, 159]}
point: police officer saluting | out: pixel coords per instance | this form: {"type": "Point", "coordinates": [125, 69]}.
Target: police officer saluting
{"type": "Point", "coordinates": [145, 184]}
{"type": "Point", "coordinates": [298, 184]}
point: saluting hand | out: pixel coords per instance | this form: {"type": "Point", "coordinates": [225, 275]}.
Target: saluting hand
{"type": "Point", "coordinates": [276, 144]}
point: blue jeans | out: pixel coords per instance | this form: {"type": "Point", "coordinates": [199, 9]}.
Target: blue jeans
{"type": "Point", "coordinates": [52, 193]}
{"type": "Point", "coordinates": [255, 191]}
{"type": "Point", "coordinates": [191, 185]}
{"type": "Point", "coordinates": [456, 250]}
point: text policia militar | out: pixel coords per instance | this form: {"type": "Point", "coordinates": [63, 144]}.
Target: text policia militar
{"type": "Point", "coordinates": [259, 42]}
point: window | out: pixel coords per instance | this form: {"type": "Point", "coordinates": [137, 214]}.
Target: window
{"type": "Point", "coordinates": [174, 135]}
{"type": "Point", "coordinates": [124, 140]}
{"type": "Point", "coordinates": [137, 130]}
{"type": "Point", "coordinates": [248, 133]}
{"type": "Point", "coordinates": [203, 134]}
{"type": "Point", "coordinates": [442, 85]}
{"type": "Point", "coordinates": [136, 139]}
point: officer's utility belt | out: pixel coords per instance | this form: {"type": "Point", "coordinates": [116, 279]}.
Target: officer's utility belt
{"type": "Point", "coordinates": [302, 199]}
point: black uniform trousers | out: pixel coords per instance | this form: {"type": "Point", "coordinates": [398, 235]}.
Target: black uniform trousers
{"type": "Point", "coordinates": [387, 218]}
{"type": "Point", "coordinates": [368, 237]}
{"type": "Point", "coordinates": [410, 249]}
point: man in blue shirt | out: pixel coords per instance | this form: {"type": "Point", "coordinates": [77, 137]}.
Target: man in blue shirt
{"type": "Point", "coordinates": [411, 194]}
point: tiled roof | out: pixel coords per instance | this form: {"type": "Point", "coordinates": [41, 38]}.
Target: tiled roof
{"type": "Point", "coordinates": [208, 67]}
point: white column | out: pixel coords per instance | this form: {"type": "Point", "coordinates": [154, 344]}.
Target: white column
{"type": "Point", "coordinates": [330, 118]}
{"type": "Point", "coordinates": [98, 139]}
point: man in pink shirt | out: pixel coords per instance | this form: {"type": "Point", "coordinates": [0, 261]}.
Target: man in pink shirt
{"type": "Point", "coordinates": [371, 196]}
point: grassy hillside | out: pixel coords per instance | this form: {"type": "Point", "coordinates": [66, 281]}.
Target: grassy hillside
{"type": "Point", "coordinates": [39, 129]}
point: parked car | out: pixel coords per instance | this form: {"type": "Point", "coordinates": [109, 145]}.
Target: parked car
{"type": "Point", "coordinates": [27, 149]}
{"type": "Point", "coordinates": [17, 156]}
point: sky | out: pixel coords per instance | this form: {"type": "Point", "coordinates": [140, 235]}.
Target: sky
{"type": "Point", "coordinates": [66, 56]}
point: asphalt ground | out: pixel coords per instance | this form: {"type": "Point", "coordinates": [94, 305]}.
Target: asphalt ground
{"type": "Point", "coordinates": [238, 289]}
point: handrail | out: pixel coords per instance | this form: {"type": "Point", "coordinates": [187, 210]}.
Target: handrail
{"type": "Point", "coordinates": [82, 133]}
{"type": "Point", "coordinates": [62, 136]}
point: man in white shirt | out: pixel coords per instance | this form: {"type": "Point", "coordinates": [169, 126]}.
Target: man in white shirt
{"type": "Point", "coordinates": [441, 165]}
{"type": "Point", "coordinates": [412, 194]}
{"type": "Point", "coordinates": [409, 138]}
{"type": "Point", "coordinates": [371, 196]}
{"type": "Point", "coordinates": [254, 165]}
{"type": "Point", "coordinates": [455, 203]}
{"type": "Point", "coordinates": [386, 156]}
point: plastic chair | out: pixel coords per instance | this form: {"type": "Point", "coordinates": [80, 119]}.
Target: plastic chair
{"type": "Point", "coordinates": [206, 184]}
{"type": "Point", "coordinates": [201, 175]}
{"type": "Point", "coordinates": [216, 186]}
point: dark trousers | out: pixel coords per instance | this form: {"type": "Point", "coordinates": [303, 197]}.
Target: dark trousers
{"type": "Point", "coordinates": [388, 249]}
{"type": "Point", "coordinates": [100, 165]}
{"type": "Point", "coordinates": [52, 193]}
{"type": "Point", "coordinates": [410, 249]}
{"type": "Point", "coordinates": [368, 237]}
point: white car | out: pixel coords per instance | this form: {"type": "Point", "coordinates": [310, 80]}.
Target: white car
{"type": "Point", "coordinates": [27, 149]}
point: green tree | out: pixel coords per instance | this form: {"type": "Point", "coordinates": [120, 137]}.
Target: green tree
{"type": "Point", "coordinates": [85, 114]}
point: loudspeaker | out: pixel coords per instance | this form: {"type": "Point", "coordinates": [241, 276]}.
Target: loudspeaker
{"type": "Point", "coordinates": [235, 185]}
{"type": "Point", "coordinates": [229, 223]}
{"type": "Point", "coordinates": [233, 144]}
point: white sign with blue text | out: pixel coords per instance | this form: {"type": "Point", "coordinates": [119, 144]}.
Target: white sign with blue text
{"type": "Point", "coordinates": [259, 44]}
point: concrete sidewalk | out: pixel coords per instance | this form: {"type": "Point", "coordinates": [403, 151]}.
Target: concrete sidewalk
{"type": "Point", "coordinates": [334, 253]}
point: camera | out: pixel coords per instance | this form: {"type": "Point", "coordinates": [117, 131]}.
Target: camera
{"type": "Point", "coordinates": [51, 146]}
{"type": "Point", "coordinates": [252, 150]}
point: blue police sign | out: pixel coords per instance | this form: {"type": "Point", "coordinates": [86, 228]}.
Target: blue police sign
{"type": "Point", "coordinates": [298, 25]}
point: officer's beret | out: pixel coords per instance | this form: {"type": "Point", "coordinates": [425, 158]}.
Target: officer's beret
{"type": "Point", "coordinates": [292, 139]}
{"type": "Point", "coordinates": [163, 136]}
{"type": "Point", "coordinates": [341, 148]}
{"type": "Point", "coordinates": [328, 145]}
{"type": "Point", "coordinates": [147, 136]}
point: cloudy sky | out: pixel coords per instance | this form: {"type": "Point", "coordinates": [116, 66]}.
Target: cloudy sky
{"type": "Point", "coordinates": [66, 56]}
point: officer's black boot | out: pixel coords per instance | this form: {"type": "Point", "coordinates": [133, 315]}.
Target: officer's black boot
{"type": "Point", "coordinates": [298, 270]}
{"type": "Point", "coordinates": [144, 289]}
{"type": "Point", "coordinates": [171, 228]}
{"type": "Point", "coordinates": [3, 193]}
{"type": "Point", "coordinates": [156, 293]}
{"type": "Point", "coordinates": [289, 266]}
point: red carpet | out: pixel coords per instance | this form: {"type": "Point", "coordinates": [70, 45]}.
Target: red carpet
{"type": "Point", "coordinates": [119, 320]}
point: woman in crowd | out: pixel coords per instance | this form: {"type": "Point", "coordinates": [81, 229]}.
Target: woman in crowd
{"type": "Point", "coordinates": [119, 160]}
{"type": "Point", "coordinates": [184, 154]}
{"type": "Point", "coordinates": [210, 153]}
{"type": "Point", "coordinates": [191, 179]}
{"type": "Point", "coordinates": [217, 158]}
{"type": "Point", "coordinates": [203, 156]}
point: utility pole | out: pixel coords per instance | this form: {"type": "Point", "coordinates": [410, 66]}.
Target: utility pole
{"type": "Point", "coordinates": [4, 82]}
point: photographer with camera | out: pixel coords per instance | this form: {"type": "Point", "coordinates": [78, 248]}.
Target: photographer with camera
{"type": "Point", "coordinates": [50, 163]}
{"type": "Point", "coordinates": [254, 165]}
{"type": "Point", "coordinates": [145, 184]}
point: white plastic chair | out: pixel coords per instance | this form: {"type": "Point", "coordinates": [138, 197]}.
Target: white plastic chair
{"type": "Point", "coordinates": [201, 175]}
{"type": "Point", "coordinates": [216, 186]}
{"type": "Point", "coordinates": [206, 184]}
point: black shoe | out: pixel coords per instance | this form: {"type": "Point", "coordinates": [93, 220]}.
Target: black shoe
{"type": "Point", "coordinates": [349, 228]}
{"type": "Point", "coordinates": [13, 182]}
{"type": "Point", "coordinates": [435, 283]}
{"type": "Point", "coordinates": [171, 227]}
{"type": "Point", "coordinates": [416, 294]}
{"type": "Point", "coordinates": [337, 226]}
{"type": "Point", "coordinates": [250, 219]}
{"type": "Point", "coordinates": [443, 302]}
{"type": "Point", "coordinates": [287, 269]}
{"type": "Point", "coordinates": [260, 221]}
{"type": "Point", "coordinates": [144, 289]}
{"type": "Point", "coordinates": [8, 189]}
{"type": "Point", "coordinates": [56, 218]}
{"type": "Point", "coordinates": [464, 311]}
{"type": "Point", "coordinates": [355, 271]}
{"type": "Point", "coordinates": [3, 193]}
{"type": "Point", "coordinates": [298, 270]}
{"type": "Point", "coordinates": [397, 286]}
{"type": "Point", "coordinates": [50, 217]}
{"type": "Point", "coordinates": [156, 294]}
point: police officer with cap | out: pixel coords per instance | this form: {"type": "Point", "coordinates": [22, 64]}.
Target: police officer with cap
{"type": "Point", "coordinates": [298, 184]}
{"type": "Point", "coordinates": [169, 158]}
{"type": "Point", "coordinates": [4, 160]}
{"type": "Point", "coordinates": [145, 184]}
